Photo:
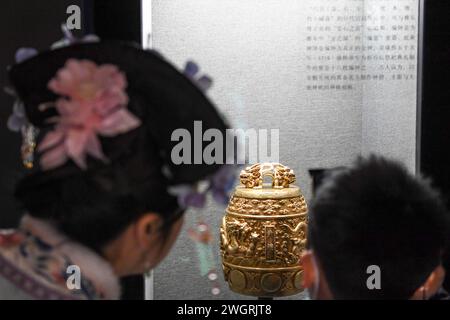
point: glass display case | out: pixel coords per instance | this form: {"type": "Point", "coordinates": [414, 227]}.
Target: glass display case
{"type": "Point", "coordinates": [335, 79]}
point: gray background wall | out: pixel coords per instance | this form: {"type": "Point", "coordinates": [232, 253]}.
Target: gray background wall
{"type": "Point", "coordinates": [389, 107]}
{"type": "Point", "coordinates": [255, 50]}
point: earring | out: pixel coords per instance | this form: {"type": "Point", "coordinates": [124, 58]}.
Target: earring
{"type": "Point", "coordinates": [203, 238]}
{"type": "Point", "coordinates": [29, 133]}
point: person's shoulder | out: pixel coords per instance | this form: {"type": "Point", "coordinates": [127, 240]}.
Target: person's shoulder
{"type": "Point", "coordinates": [9, 291]}
{"type": "Point", "coordinates": [10, 241]}
{"type": "Point", "coordinates": [28, 269]}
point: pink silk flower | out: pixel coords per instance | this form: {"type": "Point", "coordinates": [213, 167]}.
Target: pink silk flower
{"type": "Point", "coordinates": [93, 102]}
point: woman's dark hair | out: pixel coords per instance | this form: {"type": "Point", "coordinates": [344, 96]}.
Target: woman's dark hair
{"type": "Point", "coordinates": [376, 213]}
{"type": "Point", "coordinates": [96, 205]}
{"type": "Point", "coordinates": [93, 206]}
{"type": "Point", "coordinates": [85, 211]}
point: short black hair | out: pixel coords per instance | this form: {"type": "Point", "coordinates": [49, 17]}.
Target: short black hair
{"type": "Point", "coordinates": [377, 213]}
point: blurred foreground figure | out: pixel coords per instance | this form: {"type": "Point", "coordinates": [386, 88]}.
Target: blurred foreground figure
{"type": "Point", "coordinates": [98, 197]}
{"type": "Point", "coordinates": [376, 232]}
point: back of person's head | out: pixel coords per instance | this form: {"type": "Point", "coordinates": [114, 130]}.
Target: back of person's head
{"type": "Point", "coordinates": [377, 213]}
{"type": "Point", "coordinates": [111, 162]}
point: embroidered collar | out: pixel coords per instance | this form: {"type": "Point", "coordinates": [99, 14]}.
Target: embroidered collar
{"type": "Point", "coordinates": [39, 258]}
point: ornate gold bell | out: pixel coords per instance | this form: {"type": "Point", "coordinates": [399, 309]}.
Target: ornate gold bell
{"type": "Point", "coordinates": [263, 233]}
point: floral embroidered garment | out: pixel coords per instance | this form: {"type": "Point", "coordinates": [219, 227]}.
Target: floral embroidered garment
{"type": "Point", "coordinates": [38, 262]}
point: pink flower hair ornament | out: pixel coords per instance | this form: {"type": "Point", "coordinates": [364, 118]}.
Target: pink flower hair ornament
{"type": "Point", "coordinates": [93, 102]}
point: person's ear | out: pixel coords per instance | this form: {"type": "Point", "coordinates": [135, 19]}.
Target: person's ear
{"type": "Point", "coordinates": [431, 286]}
{"type": "Point", "coordinates": [309, 269]}
{"type": "Point", "coordinates": [147, 228]}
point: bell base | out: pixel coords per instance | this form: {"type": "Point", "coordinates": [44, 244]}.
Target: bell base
{"type": "Point", "coordinates": [264, 283]}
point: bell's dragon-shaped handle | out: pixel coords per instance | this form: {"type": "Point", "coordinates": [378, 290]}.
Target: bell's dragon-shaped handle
{"type": "Point", "coordinates": [253, 176]}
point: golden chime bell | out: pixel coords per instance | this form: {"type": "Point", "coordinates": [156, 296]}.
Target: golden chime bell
{"type": "Point", "coordinates": [263, 233]}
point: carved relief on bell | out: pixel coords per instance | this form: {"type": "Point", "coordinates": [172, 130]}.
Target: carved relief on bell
{"type": "Point", "coordinates": [263, 233]}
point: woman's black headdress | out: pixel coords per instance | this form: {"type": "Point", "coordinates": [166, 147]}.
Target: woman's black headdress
{"type": "Point", "coordinates": [137, 161]}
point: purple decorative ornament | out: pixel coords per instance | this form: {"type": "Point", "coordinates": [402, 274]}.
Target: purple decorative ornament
{"type": "Point", "coordinates": [219, 185]}
{"type": "Point", "coordinates": [70, 39]}
{"type": "Point", "coordinates": [23, 54]}
{"type": "Point", "coordinates": [203, 82]}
